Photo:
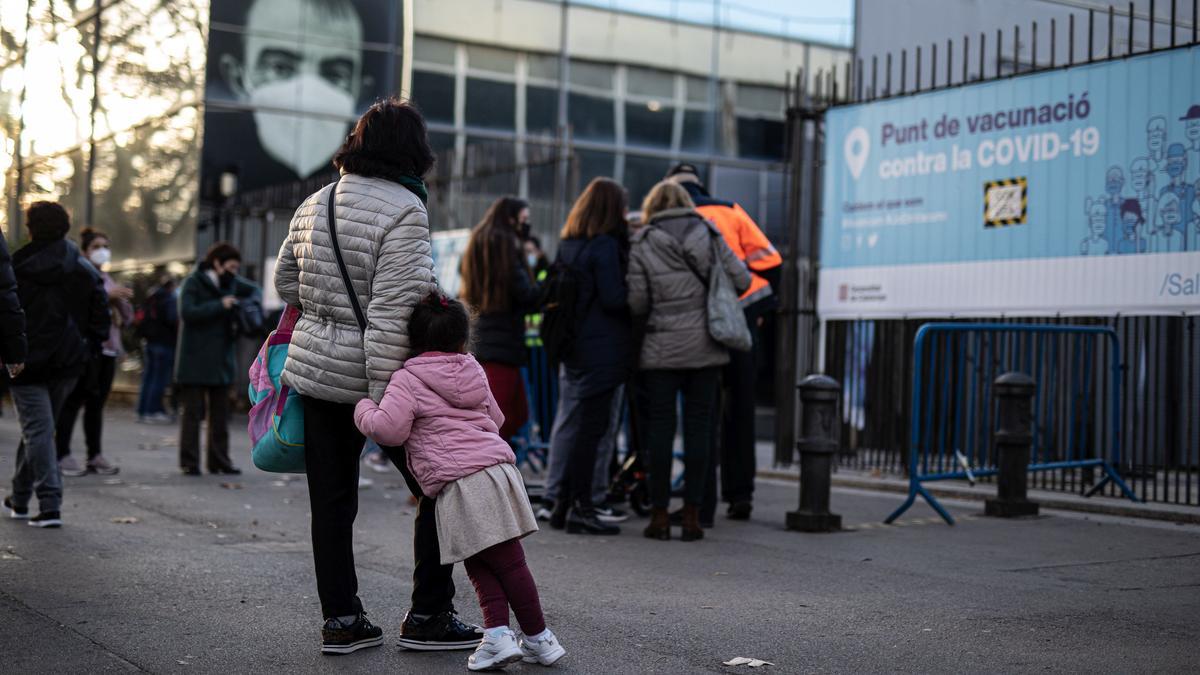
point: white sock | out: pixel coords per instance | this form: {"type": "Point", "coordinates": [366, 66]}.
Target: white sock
{"type": "Point", "coordinates": [496, 632]}
{"type": "Point", "coordinates": [541, 636]}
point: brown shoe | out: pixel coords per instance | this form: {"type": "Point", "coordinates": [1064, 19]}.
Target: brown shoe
{"type": "Point", "coordinates": [691, 523]}
{"type": "Point", "coordinates": [660, 525]}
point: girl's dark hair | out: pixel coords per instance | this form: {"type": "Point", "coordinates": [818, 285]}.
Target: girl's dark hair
{"type": "Point", "coordinates": [221, 252]}
{"type": "Point", "coordinates": [439, 324]}
{"type": "Point", "coordinates": [492, 253]}
{"type": "Point", "coordinates": [47, 220]}
{"type": "Point", "coordinates": [599, 210]}
{"type": "Point", "coordinates": [388, 141]}
{"type": "Point", "coordinates": [1134, 207]}
{"type": "Point", "coordinates": [89, 235]}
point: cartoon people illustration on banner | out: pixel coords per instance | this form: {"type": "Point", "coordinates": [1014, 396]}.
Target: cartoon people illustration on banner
{"type": "Point", "coordinates": [1097, 215]}
{"type": "Point", "coordinates": [1156, 142]}
{"type": "Point", "coordinates": [1141, 177]}
{"type": "Point", "coordinates": [1167, 237]}
{"type": "Point", "coordinates": [1114, 182]}
{"type": "Point", "coordinates": [1177, 161]}
{"type": "Point", "coordinates": [1191, 130]}
{"type": "Point", "coordinates": [1132, 224]}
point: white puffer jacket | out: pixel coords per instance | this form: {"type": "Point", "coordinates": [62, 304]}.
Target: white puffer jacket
{"type": "Point", "coordinates": [383, 230]}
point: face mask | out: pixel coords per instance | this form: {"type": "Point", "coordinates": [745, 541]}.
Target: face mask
{"type": "Point", "coordinates": [302, 143]}
{"type": "Point", "coordinates": [100, 257]}
{"type": "Point", "coordinates": [532, 259]}
{"type": "Point", "coordinates": [523, 230]}
{"type": "Point", "coordinates": [226, 277]}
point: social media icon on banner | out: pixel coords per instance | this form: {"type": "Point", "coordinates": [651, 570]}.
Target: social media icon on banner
{"type": "Point", "coordinates": [856, 149]}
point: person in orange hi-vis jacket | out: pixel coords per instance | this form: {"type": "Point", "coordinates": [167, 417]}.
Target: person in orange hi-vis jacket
{"type": "Point", "coordinates": [737, 420]}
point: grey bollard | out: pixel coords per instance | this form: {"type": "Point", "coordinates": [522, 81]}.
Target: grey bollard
{"type": "Point", "coordinates": [818, 446]}
{"type": "Point", "coordinates": [1013, 440]}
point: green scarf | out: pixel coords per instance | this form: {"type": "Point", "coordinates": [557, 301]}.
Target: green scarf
{"type": "Point", "coordinates": [416, 185]}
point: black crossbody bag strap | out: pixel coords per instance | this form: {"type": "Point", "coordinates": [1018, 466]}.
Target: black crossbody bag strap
{"type": "Point", "coordinates": [337, 253]}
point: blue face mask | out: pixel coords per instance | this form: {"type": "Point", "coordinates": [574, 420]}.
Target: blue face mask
{"type": "Point", "coordinates": [532, 260]}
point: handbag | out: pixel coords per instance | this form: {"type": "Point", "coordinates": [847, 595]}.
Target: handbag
{"type": "Point", "coordinates": [726, 320]}
{"type": "Point", "coordinates": [276, 425]}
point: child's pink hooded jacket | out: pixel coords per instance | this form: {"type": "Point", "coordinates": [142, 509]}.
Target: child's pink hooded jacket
{"type": "Point", "coordinates": [438, 406]}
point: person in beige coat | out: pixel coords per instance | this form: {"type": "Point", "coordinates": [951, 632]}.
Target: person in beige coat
{"type": "Point", "coordinates": [671, 258]}
{"type": "Point", "coordinates": [383, 233]}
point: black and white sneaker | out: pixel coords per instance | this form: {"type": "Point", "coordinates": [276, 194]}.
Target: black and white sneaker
{"type": "Point", "coordinates": [14, 512]}
{"type": "Point", "coordinates": [46, 519]}
{"type": "Point", "coordinates": [609, 514]}
{"type": "Point", "coordinates": [339, 638]}
{"type": "Point", "coordinates": [440, 632]}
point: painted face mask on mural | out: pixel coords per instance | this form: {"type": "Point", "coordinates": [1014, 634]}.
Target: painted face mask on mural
{"type": "Point", "coordinates": [302, 143]}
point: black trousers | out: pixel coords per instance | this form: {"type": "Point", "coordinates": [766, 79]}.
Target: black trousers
{"type": "Point", "coordinates": [595, 414]}
{"type": "Point", "coordinates": [332, 446]}
{"type": "Point", "coordinates": [737, 456]}
{"type": "Point", "coordinates": [90, 393]}
{"type": "Point", "coordinates": [200, 401]}
{"type": "Point", "coordinates": [699, 389]}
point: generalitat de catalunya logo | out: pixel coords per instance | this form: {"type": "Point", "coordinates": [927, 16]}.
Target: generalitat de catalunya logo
{"type": "Point", "coordinates": [856, 149]}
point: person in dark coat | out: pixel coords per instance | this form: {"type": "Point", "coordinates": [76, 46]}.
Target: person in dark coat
{"type": "Point", "coordinates": [12, 320]}
{"type": "Point", "coordinates": [159, 328]}
{"type": "Point", "coordinates": [498, 285]}
{"type": "Point", "coordinates": [204, 360]}
{"type": "Point", "coordinates": [66, 317]}
{"type": "Point", "coordinates": [595, 245]}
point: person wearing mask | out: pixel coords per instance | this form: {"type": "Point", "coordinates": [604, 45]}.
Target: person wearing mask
{"type": "Point", "coordinates": [205, 361]}
{"type": "Point", "coordinates": [91, 392]}
{"type": "Point", "coordinates": [66, 318]}
{"type": "Point", "coordinates": [498, 286]}
{"type": "Point", "coordinates": [535, 257]}
{"type": "Point", "coordinates": [13, 345]}
{"type": "Point", "coordinates": [158, 327]}
{"type": "Point", "coordinates": [669, 266]}
{"type": "Point", "coordinates": [383, 234]}
{"type": "Point", "coordinates": [595, 247]}
{"type": "Point", "coordinates": [737, 458]}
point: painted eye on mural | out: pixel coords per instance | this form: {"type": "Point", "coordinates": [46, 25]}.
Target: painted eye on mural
{"type": "Point", "coordinates": [278, 64]}
{"type": "Point", "coordinates": [339, 72]}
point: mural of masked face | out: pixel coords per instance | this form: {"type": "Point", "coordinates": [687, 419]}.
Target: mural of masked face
{"type": "Point", "coordinates": [302, 73]}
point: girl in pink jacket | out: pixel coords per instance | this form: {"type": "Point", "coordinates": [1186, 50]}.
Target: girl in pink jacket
{"type": "Point", "coordinates": [439, 406]}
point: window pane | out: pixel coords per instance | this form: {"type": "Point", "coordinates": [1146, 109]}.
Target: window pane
{"type": "Point", "coordinates": [591, 118]}
{"type": "Point", "coordinates": [737, 184]}
{"type": "Point", "coordinates": [541, 110]}
{"type": "Point", "coordinates": [650, 82]}
{"type": "Point", "coordinates": [594, 75]}
{"type": "Point", "coordinates": [491, 104]}
{"type": "Point", "coordinates": [698, 90]}
{"type": "Point", "coordinates": [696, 130]}
{"type": "Point", "coordinates": [542, 66]}
{"type": "Point", "coordinates": [434, 93]}
{"type": "Point", "coordinates": [641, 174]}
{"type": "Point", "coordinates": [646, 126]}
{"type": "Point", "coordinates": [490, 171]}
{"type": "Point", "coordinates": [491, 59]}
{"type": "Point", "coordinates": [433, 50]}
{"type": "Point", "coordinates": [763, 99]}
{"type": "Point", "coordinates": [762, 139]}
{"type": "Point", "coordinates": [590, 164]}
{"type": "Point", "coordinates": [59, 88]}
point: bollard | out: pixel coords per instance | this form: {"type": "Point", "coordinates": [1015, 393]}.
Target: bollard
{"type": "Point", "coordinates": [818, 445]}
{"type": "Point", "coordinates": [1013, 439]}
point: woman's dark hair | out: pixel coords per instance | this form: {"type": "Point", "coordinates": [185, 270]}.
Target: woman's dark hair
{"type": "Point", "coordinates": [492, 253]}
{"type": "Point", "coordinates": [439, 324]}
{"type": "Point", "coordinates": [89, 235]}
{"type": "Point", "coordinates": [1134, 207]}
{"type": "Point", "coordinates": [388, 141]}
{"type": "Point", "coordinates": [599, 210]}
{"type": "Point", "coordinates": [47, 220]}
{"type": "Point", "coordinates": [221, 252]}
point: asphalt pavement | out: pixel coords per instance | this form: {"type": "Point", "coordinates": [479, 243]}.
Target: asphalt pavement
{"type": "Point", "coordinates": [158, 572]}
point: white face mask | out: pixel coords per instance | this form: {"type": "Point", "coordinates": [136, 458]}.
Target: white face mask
{"type": "Point", "coordinates": [100, 256]}
{"type": "Point", "coordinates": [301, 143]}
{"type": "Point", "coordinates": [532, 259]}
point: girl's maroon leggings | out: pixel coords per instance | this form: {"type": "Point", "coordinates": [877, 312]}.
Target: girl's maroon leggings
{"type": "Point", "coordinates": [502, 579]}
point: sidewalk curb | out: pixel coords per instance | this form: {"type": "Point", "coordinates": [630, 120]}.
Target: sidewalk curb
{"type": "Point", "coordinates": [1049, 501]}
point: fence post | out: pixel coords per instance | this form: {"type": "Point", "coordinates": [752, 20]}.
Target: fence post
{"type": "Point", "coordinates": [818, 446]}
{"type": "Point", "coordinates": [1014, 436]}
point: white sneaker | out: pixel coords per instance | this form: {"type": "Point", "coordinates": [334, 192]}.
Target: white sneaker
{"type": "Point", "coordinates": [364, 483]}
{"type": "Point", "coordinates": [608, 514]}
{"type": "Point", "coordinates": [69, 467]}
{"type": "Point", "coordinates": [378, 463]}
{"type": "Point", "coordinates": [542, 514]}
{"type": "Point", "coordinates": [545, 651]}
{"type": "Point", "coordinates": [495, 652]}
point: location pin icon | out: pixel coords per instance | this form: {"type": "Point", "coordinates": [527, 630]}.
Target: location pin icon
{"type": "Point", "coordinates": [856, 149]}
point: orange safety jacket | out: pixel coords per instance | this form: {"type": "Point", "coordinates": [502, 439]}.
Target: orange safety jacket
{"type": "Point", "coordinates": [748, 242]}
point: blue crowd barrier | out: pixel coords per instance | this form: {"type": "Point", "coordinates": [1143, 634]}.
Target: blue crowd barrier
{"type": "Point", "coordinates": [954, 367]}
{"type": "Point", "coordinates": [532, 442]}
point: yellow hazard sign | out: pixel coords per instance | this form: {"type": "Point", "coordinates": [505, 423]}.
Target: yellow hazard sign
{"type": "Point", "coordinates": [1005, 202]}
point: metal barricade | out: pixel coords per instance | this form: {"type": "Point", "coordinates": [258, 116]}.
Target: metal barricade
{"type": "Point", "coordinates": [1077, 424]}
{"type": "Point", "coordinates": [532, 442]}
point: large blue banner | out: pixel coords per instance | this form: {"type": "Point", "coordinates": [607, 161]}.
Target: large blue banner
{"type": "Point", "coordinates": [1070, 191]}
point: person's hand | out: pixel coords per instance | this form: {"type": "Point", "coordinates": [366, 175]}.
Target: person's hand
{"type": "Point", "coordinates": [122, 293]}
{"type": "Point", "coordinates": [228, 301]}
{"type": "Point", "coordinates": [15, 369]}
{"type": "Point", "coordinates": [761, 320]}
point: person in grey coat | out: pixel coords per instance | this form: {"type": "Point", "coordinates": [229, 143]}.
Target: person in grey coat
{"type": "Point", "coordinates": [669, 266]}
{"type": "Point", "coordinates": [383, 234]}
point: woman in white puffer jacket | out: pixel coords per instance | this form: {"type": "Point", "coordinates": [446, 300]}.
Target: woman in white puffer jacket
{"type": "Point", "coordinates": [383, 233]}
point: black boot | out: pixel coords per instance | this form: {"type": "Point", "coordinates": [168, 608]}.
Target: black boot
{"type": "Point", "coordinates": [582, 520]}
{"type": "Point", "coordinates": [558, 515]}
